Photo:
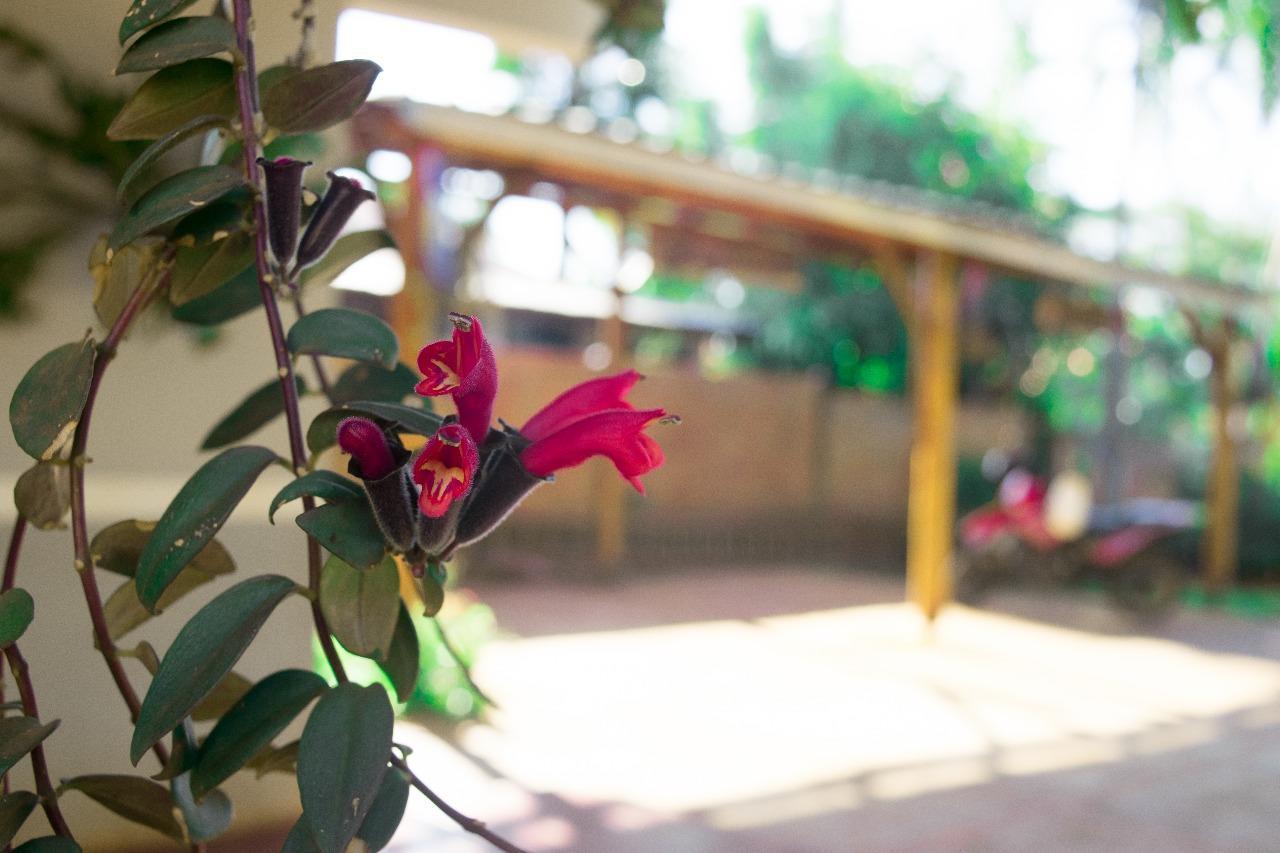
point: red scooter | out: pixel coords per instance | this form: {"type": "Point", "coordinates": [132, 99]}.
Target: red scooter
{"type": "Point", "coordinates": [1052, 535]}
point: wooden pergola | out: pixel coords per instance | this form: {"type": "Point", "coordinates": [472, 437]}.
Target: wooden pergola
{"type": "Point", "coordinates": [918, 247]}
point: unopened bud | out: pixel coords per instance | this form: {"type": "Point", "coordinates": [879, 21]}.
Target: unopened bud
{"type": "Point", "coordinates": [284, 204]}
{"type": "Point", "coordinates": [340, 201]}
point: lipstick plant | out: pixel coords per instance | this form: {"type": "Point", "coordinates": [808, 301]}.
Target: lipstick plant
{"type": "Point", "coordinates": [213, 241]}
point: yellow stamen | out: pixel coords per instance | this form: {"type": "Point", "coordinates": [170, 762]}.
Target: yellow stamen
{"type": "Point", "coordinates": [443, 476]}
{"type": "Point", "coordinates": [450, 379]}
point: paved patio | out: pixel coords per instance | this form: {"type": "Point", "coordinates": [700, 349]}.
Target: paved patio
{"type": "Point", "coordinates": [796, 710]}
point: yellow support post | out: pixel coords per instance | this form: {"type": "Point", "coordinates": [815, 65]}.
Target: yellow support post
{"type": "Point", "coordinates": [931, 498]}
{"type": "Point", "coordinates": [1220, 546]}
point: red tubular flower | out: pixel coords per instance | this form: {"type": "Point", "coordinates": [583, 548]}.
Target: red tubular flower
{"type": "Point", "coordinates": [617, 433]}
{"type": "Point", "coordinates": [463, 368]}
{"type": "Point", "coordinates": [445, 469]}
{"type": "Point", "coordinates": [367, 444]}
{"type": "Point", "coordinates": [583, 399]}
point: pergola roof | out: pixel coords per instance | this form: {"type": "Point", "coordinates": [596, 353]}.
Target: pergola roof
{"type": "Point", "coordinates": [850, 214]}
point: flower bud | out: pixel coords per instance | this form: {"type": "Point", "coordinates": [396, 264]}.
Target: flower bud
{"type": "Point", "coordinates": [340, 201]}
{"type": "Point", "coordinates": [283, 177]}
{"type": "Point", "coordinates": [506, 482]}
{"type": "Point", "coordinates": [379, 460]}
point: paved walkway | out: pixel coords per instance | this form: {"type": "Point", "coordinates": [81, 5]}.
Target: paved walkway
{"type": "Point", "coordinates": [796, 710]}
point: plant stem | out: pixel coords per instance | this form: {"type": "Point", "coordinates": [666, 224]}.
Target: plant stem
{"type": "Point", "coordinates": [10, 575]}
{"type": "Point", "coordinates": [246, 95]}
{"type": "Point", "coordinates": [39, 767]}
{"type": "Point", "coordinates": [470, 824]}
{"type": "Point", "coordinates": [246, 89]}
{"type": "Point", "coordinates": [79, 528]}
{"type": "Point", "coordinates": [321, 377]}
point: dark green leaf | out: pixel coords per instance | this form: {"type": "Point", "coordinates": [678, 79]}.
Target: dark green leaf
{"type": "Point", "coordinates": [146, 13]}
{"type": "Point", "coordinates": [206, 819]}
{"type": "Point", "coordinates": [317, 97]}
{"type": "Point", "coordinates": [195, 516]}
{"type": "Point", "coordinates": [182, 750]}
{"type": "Point", "coordinates": [174, 96]}
{"type": "Point", "coordinates": [17, 609]}
{"type": "Point", "coordinates": [18, 736]}
{"type": "Point", "coordinates": [323, 432]}
{"type": "Point", "coordinates": [15, 808]}
{"type": "Point", "coordinates": [124, 611]}
{"type": "Point", "coordinates": [386, 812]}
{"type": "Point", "coordinates": [133, 798]}
{"type": "Point", "coordinates": [173, 198]}
{"type": "Point", "coordinates": [344, 333]}
{"type": "Point", "coordinates": [177, 41]}
{"type": "Point", "coordinates": [403, 661]}
{"type": "Point", "coordinates": [118, 547]}
{"type": "Point", "coordinates": [204, 651]}
{"type": "Point", "coordinates": [341, 761]}
{"type": "Point", "coordinates": [47, 403]}
{"type": "Point", "coordinates": [250, 725]}
{"type": "Point", "coordinates": [371, 382]}
{"type": "Point", "coordinates": [200, 270]}
{"type": "Point", "coordinates": [236, 297]}
{"type": "Point", "coordinates": [49, 844]}
{"type": "Point", "coordinates": [348, 530]}
{"type": "Point", "coordinates": [148, 158]}
{"type": "Point", "coordinates": [360, 605]}
{"type": "Point", "coordinates": [256, 411]}
{"type": "Point", "coordinates": [216, 220]}
{"type": "Point", "coordinates": [43, 495]}
{"type": "Point", "coordinates": [225, 694]}
{"type": "Point", "coordinates": [299, 839]}
{"type": "Point", "coordinates": [346, 251]}
{"type": "Point", "coordinates": [330, 486]}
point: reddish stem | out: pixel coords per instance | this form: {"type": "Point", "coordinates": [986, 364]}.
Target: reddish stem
{"type": "Point", "coordinates": [39, 767]}
{"type": "Point", "coordinates": [246, 91]}
{"type": "Point", "coordinates": [79, 530]}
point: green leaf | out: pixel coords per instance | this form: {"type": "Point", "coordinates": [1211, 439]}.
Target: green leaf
{"type": "Point", "coordinates": [263, 712]}
{"type": "Point", "coordinates": [299, 839]}
{"type": "Point", "coordinates": [372, 382]}
{"type": "Point", "coordinates": [216, 220]}
{"type": "Point", "coordinates": [116, 275]}
{"type": "Point", "coordinates": [47, 403]}
{"type": "Point", "coordinates": [177, 41]}
{"type": "Point", "coordinates": [173, 198]}
{"type": "Point", "coordinates": [341, 761]}
{"type": "Point", "coordinates": [43, 495]}
{"type": "Point", "coordinates": [195, 516]}
{"type": "Point", "coordinates": [323, 431]}
{"type": "Point", "coordinates": [133, 798]}
{"type": "Point", "coordinates": [431, 591]}
{"type": "Point", "coordinates": [361, 605]}
{"type": "Point", "coordinates": [225, 694]}
{"type": "Point", "coordinates": [18, 736]}
{"type": "Point", "coordinates": [200, 270]}
{"type": "Point", "coordinates": [386, 812]}
{"type": "Point", "coordinates": [49, 844]}
{"type": "Point", "coordinates": [146, 13]}
{"type": "Point", "coordinates": [17, 609]}
{"type": "Point", "coordinates": [347, 530]}
{"type": "Point", "coordinates": [15, 808]}
{"type": "Point", "coordinates": [402, 662]}
{"type": "Point", "coordinates": [206, 818]}
{"type": "Point", "coordinates": [174, 96]}
{"type": "Point", "coordinates": [318, 97]}
{"type": "Point", "coordinates": [204, 651]}
{"type": "Point", "coordinates": [330, 486]}
{"type": "Point", "coordinates": [345, 251]}
{"type": "Point", "coordinates": [124, 611]}
{"type": "Point", "coordinates": [236, 297]}
{"type": "Point", "coordinates": [254, 412]}
{"type": "Point", "coordinates": [283, 759]}
{"type": "Point", "coordinates": [153, 152]}
{"type": "Point", "coordinates": [344, 333]}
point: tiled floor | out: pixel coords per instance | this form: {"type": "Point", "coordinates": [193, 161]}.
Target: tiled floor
{"type": "Point", "coordinates": [795, 710]}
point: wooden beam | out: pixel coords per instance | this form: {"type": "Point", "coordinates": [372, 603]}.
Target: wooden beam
{"type": "Point", "coordinates": [1220, 548]}
{"type": "Point", "coordinates": [934, 349]}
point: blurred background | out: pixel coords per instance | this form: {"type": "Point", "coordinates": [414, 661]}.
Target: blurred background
{"type": "Point", "coordinates": [956, 301]}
